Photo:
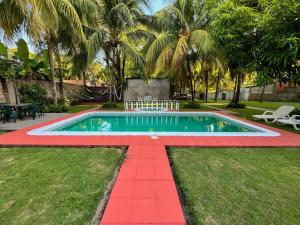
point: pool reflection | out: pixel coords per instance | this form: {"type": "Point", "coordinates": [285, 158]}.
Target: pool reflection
{"type": "Point", "coordinates": [155, 123]}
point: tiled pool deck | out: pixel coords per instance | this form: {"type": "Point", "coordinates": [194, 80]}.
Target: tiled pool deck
{"type": "Point", "coordinates": [145, 191]}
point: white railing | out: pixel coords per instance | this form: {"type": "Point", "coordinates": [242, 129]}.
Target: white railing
{"type": "Point", "coordinates": [155, 105]}
{"type": "Point", "coordinates": [151, 120]}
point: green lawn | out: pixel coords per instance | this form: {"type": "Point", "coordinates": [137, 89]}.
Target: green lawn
{"type": "Point", "coordinates": [271, 105]}
{"type": "Point", "coordinates": [79, 108]}
{"type": "Point", "coordinates": [52, 186]}
{"type": "Point", "coordinates": [239, 186]}
{"type": "Point", "coordinates": [247, 114]}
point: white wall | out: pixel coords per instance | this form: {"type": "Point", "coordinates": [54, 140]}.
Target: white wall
{"type": "Point", "coordinates": [157, 88]}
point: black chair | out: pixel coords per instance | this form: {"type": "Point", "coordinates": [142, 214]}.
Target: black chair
{"type": "Point", "coordinates": [8, 113]}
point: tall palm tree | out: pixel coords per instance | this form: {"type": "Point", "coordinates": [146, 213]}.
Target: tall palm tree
{"type": "Point", "coordinates": [116, 29]}
{"type": "Point", "coordinates": [41, 19]}
{"type": "Point", "coordinates": [180, 40]}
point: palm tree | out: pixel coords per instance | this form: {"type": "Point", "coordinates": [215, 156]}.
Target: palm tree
{"type": "Point", "coordinates": [117, 28]}
{"type": "Point", "coordinates": [41, 19]}
{"type": "Point", "coordinates": [180, 41]}
{"type": "Point", "coordinates": [211, 64]}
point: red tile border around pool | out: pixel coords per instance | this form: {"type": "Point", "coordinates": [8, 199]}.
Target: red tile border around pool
{"type": "Point", "coordinates": [145, 191]}
{"type": "Point", "coordinates": [21, 138]}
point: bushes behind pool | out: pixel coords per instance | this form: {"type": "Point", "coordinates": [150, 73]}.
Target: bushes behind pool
{"type": "Point", "coordinates": [110, 105]}
{"type": "Point", "coordinates": [35, 93]}
{"type": "Point", "coordinates": [192, 105]}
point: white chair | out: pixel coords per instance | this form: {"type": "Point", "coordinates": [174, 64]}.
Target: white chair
{"type": "Point", "coordinates": [147, 98]}
{"type": "Point", "coordinates": [272, 116]}
{"type": "Point", "coordinates": [294, 121]}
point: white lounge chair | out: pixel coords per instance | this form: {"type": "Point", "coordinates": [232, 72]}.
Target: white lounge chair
{"type": "Point", "coordinates": [272, 116]}
{"type": "Point", "coordinates": [294, 121]}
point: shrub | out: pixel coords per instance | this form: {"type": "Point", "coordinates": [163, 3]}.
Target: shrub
{"type": "Point", "coordinates": [192, 105]}
{"type": "Point", "coordinates": [59, 108]}
{"type": "Point", "coordinates": [236, 106]}
{"type": "Point", "coordinates": [64, 101]}
{"type": "Point", "coordinates": [32, 93]}
{"type": "Point", "coordinates": [110, 105]}
{"type": "Point", "coordinates": [37, 94]}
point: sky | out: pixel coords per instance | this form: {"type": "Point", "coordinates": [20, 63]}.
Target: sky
{"type": "Point", "coordinates": [156, 5]}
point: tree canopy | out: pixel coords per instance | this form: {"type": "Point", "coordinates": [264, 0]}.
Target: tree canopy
{"type": "Point", "coordinates": [199, 45]}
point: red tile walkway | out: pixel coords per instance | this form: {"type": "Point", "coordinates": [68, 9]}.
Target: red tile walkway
{"type": "Point", "coordinates": [145, 192]}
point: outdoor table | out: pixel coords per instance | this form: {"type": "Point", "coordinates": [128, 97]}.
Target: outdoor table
{"type": "Point", "coordinates": [21, 109]}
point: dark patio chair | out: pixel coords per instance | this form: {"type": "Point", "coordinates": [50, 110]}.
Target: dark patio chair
{"type": "Point", "coordinates": [9, 113]}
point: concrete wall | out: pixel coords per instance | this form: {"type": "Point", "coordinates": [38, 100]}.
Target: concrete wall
{"type": "Point", "coordinates": [254, 94]}
{"type": "Point", "coordinates": [228, 95]}
{"type": "Point", "coordinates": [70, 90]}
{"type": "Point", "coordinates": [157, 88]}
{"type": "Point", "coordinates": [272, 94]}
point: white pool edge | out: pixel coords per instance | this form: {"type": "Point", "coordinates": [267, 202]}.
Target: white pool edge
{"type": "Point", "coordinates": [46, 130]}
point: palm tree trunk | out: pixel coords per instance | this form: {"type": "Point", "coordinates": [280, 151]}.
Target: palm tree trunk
{"type": "Point", "coordinates": [234, 89]}
{"type": "Point", "coordinates": [190, 77]}
{"type": "Point", "coordinates": [16, 90]}
{"type": "Point", "coordinates": [110, 77]}
{"type": "Point", "coordinates": [217, 87]}
{"type": "Point", "coordinates": [123, 77]}
{"type": "Point", "coordinates": [114, 77]}
{"type": "Point", "coordinates": [61, 76]}
{"type": "Point", "coordinates": [84, 78]}
{"type": "Point", "coordinates": [51, 49]}
{"type": "Point", "coordinates": [206, 86]}
{"type": "Point", "coordinates": [238, 89]}
{"type": "Point", "coordinates": [261, 98]}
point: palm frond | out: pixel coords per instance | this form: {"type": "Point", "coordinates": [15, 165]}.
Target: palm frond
{"type": "Point", "coordinates": [157, 46]}
{"type": "Point", "coordinates": [121, 14]}
{"type": "Point", "coordinates": [180, 52]}
{"type": "Point", "coordinates": [164, 60]}
{"type": "Point", "coordinates": [202, 41]}
{"type": "Point", "coordinates": [132, 52]}
{"type": "Point", "coordinates": [65, 8]}
{"type": "Point", "coordinates": [95, 43]}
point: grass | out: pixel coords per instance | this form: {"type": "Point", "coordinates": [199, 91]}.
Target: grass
{"type": "Point", "coordinates": [53, 186]}
{"type": "Point", "coordinates": [271, 105]}
{"type": "Point", "coordinates": [247, 114]}
{"type": "Point", "coordinates": [239, 186]}
{"type": "Point", "coordinates": [79, 108]}
{"type": "Point", "coordinates": [120, 106]}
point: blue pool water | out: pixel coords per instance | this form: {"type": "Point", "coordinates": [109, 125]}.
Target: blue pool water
{"type": "Point", "coordinates": [154, 123]}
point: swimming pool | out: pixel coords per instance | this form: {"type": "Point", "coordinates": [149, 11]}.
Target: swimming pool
{"type": "Point", "coordinates": [153, 123]}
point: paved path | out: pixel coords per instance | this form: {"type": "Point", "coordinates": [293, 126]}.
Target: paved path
{"type": "Point", "coordinates": [10, 126]}
{"type": "Point", "coordinates": [145, 191]}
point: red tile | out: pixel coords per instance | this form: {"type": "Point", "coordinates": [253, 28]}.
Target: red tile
{"type": "Point", "coordinates": [145, 173]}
{"type": "Point", "coordinates": [144, 189]}
{"type": "Point", "coordinates": [123, 189]}
{"type": "Point", "coordinates": [144, 210]}
{"type": "Point", "coordinates": [169, 210]}
{"type": "Point", "coordinates": [117, 211]}
{"type": "Point", "coordinates": [127, 173]}
{"type": "Point", "coordinates": [165, 189]}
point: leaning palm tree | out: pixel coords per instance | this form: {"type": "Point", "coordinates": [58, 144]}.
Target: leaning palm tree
{"type": "Point", "coordinates": [181, 37]}
{"type": "Point", "coordinates": [116, 30]}
{"type": "Point", "coordinates": [41, 19]}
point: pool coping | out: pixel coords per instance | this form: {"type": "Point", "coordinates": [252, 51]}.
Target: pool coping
{"type": "Point", "coordinates": [48, 129]}
{"type": "Point", "coordinates": [155, 200]}
{"type": "Point", "coordinates": [21, 138]}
